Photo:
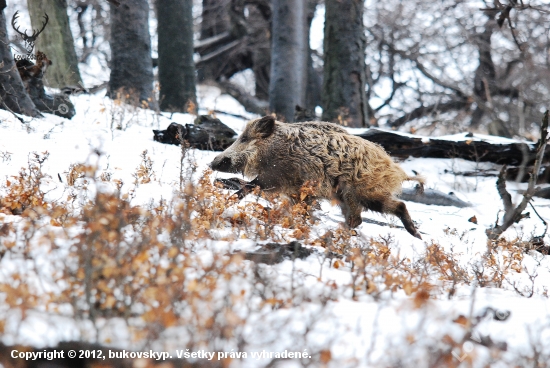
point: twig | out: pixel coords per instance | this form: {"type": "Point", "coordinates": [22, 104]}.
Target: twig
{"type": "Point", "coordinates": [543, 222]}
{"type": "Point", "coordinates": [13, 113]}
{"type": "Point", "coordinates": [501, 188]}
{"type": "Point", "coordinates": [218, 52]}
{"type": "Point", "coordinates": [505, 14]}
{"type": "Point", "coordinates": [518, 44]}
{"type": "Point", "coordinates": [230, 114]}
{"type": "Point", "coordinates": [211, 40]}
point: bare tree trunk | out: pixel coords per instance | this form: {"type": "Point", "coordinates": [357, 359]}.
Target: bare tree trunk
{"type": "Point", "coordinates": [215, 18]}
{"type": "Point", "coordinates": [175, 47]}
{"type": "Point", "coordinates": [259, 21]}
{"type": "Point", "coordinates": [288, 57]}
{"type": "Point", "coordinates": [13, 95]}
{"type": "Point", "coordinates": [226, 53]}
{"type": "Point", "coordinates": [313, 83]}
{"type": "Point", "coordinates": [56, 41]}
{"type": "Point", "coordinates": [131, 62]}
{"type": "Point", "coordinates": [231, 42]}
{"type": "Point", "coordinates": [485, 75]}
{"type": "Point", "coordinates": [344, 79]}
{"type": "Point", "coordinates": [215, 29]}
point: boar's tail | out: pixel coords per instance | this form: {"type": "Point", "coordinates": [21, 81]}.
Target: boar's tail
{"type": "Point", "coordinates": [421, 181]}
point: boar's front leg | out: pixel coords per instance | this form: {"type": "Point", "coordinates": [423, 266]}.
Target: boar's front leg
{"type": "Point", "coordinates": [247, 188]}
{"type": "Point", "coordinates": [351, 209]}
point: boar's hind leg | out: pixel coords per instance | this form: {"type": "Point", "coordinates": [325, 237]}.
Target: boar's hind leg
{"type": "Point", "coordinates": [399, 209]}
{"type": "Point", "coordinates": [351, 209]}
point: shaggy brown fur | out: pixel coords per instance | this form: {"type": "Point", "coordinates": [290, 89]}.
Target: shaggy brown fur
{"type": "Point", "coordinates": [357, 173]}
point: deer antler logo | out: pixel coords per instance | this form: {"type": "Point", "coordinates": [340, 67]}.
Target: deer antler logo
{"type": "Point", "coordinates": [29, 39]}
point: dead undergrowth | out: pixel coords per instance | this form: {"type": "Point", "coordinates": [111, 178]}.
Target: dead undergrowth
{"type": "Point", "coordinates": [167, 273]}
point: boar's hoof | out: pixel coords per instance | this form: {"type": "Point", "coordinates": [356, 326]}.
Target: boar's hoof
{"type": "Point", "coordinates": [354, 221]}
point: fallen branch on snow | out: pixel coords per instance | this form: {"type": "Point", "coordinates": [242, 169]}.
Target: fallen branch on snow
{"type": "Point", "coordinates": [513, 214]}
{"type": "Point", "coordinates": [404, 146]}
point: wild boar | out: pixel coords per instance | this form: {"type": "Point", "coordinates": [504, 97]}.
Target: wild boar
{"type": "Point", "coordinates": [356, 173]}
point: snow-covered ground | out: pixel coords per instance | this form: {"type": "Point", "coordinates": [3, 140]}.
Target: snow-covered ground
{"type": "Point", "coordinates": [392, 300]}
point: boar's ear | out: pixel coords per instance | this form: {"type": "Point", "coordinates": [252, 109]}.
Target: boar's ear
{"type": "Point", "coordinates": [264, 126]}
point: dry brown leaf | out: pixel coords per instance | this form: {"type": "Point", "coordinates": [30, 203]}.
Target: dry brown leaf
{"type": "Point", "coordinates": [325, 356]}
{"type": "Point", "coordinates": [461, 320]}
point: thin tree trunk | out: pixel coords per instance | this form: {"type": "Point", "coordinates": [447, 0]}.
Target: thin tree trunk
{"type": "Point", "coordinates": [13, 95]}
{"type": "Point", "coordinates": [485, 75]}
{"type": "Point", "coordinates": [56, 41]}
{"type": "Point", "coordinates": [215, 21]}
{"type": "Point", "coordinates": [131, 62]}
{"type": "Point", "coordinates": [288, 57]}
{"type": "Point", "coordinates": [313, 83]}
{"type": "Point", "coordinates": [175, 47]}
{"type": "Point", "coordinates": [232, 41]}
{"type": "Point", "coordinates": [344, 79]}
{"type": "Point", "coordinates": [259, 21]}
{"type": "Point", "coordinates": [215, 18]}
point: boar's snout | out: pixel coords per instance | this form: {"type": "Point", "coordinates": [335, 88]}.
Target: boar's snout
{"type": "Point", "coordinates": [221, 163]}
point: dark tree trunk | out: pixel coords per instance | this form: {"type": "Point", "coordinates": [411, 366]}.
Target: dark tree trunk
{"type": "Point", "coordinates": [344, 78]}
{"type": "Point", "coordinates": [288, 57]}
{"type": "Point", "coordinates": [313, 84]}
{"type": "Point", "coordinates": [56, 41]}
{"type": "Point", "coordinates": [215, 18]}
{"type": "Point", "coordinates": [216, 32]}
{"type": "Point", "coordinates": [226, 53]}
{"type": "Point", "coordinates": [259, 22]}
{"type": "Point", "coordinates": [313, 87]}
{"type": "Point", "coordinates": [175, 62]}
{"type": "Point", "coordinates": [131, 63]}
{"type": "Point", "coordinates": [485, 75]}
{"type": "Point", "coordinates": [13, 95]}
{"type": "Point", "coordinates": [232, 42]}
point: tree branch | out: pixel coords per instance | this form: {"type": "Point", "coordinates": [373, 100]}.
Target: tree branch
{"type": "Point", "coordinates": [211, 40]}
{"type": "Point", "coordinates": [427, 110]}
{"type": "Point", "coordinates": [435, 79]}
{"type": "Point", "coordinates": [501, 188]}
{"type": "Point", "coordinates": [218, 51]}
{"type": "Point", "coordinates": [425, 71]}
{"type": "Point", "coordinates": [249, 102]}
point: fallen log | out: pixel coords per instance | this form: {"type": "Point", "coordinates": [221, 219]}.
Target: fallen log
{"type": "Point", "coordinates": [206, 133]}
{"type": "Point", "coordinates": [541, 192]}
{"type": "Point", "coordinates": [472, 148]}
{"type": "Point", "coordinates": [273, 253]}
{"type": "Point", "coordinates": [512, 173]}
{"type": "Point", "coordinates": [432, 197]}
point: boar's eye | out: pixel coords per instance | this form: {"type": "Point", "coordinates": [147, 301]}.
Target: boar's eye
{"type": "Point", "coordinates": [244, 139]}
